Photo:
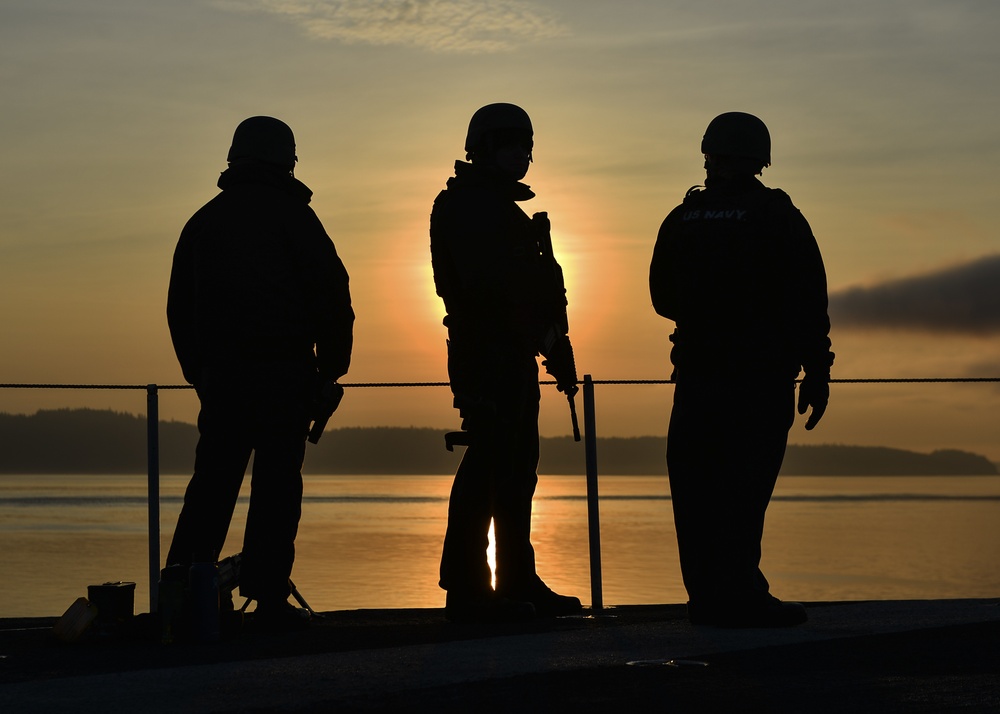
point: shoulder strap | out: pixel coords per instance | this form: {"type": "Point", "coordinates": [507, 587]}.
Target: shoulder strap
{"type": "Point", "coordinates": [693, 192]}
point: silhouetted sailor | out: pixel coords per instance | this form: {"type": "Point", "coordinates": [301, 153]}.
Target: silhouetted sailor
{"type": "Point", "coordinates": [506, 303]}
{"type": "Point", "coordinates": [737, 269]}
{"type": "Point", "coordinates": [260, 316]}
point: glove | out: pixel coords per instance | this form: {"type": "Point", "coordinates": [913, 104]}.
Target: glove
{"type": "Point", "coordinates": [814, 392]}
{"type": "Point", "coordinates": [324, 403]}
{"type": "Point", "coordinates": [561, 365]}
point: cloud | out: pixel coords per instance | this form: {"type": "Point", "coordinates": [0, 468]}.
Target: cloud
{"type": "Point", "coordinates": [964, 299]}
{"type": "Point", "coordinates": [455, 26]}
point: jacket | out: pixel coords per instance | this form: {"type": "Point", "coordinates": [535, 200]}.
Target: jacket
{"type": "Point", "coordinates": [498, 289]}
{"type": "Point", "coordinates": [737, 268]}
{"type": "Point", "coordinates": [256, 278]}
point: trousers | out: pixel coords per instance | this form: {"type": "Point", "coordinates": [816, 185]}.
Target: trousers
{"type": "Point", "coordinates": [260, 410]}
{"type": "Point", "coordinates": [495, 481]}
{"type": "Point", "coordinates": [725, 445]}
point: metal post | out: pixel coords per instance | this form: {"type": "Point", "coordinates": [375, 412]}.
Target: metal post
{"type": "Point", "coordinates": [153, 489]}
{"type": "Point", "coordinates": [593, 510]}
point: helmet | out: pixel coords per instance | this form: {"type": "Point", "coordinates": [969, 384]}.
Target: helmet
{"type": "Point", "coordinates": [494, 117]}
{"type": "Point", "coordinates": [738, 134]}
{"type": "Point", "coordinates": [264, 139]}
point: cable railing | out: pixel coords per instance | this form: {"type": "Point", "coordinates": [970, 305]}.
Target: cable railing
{"type": "Point", "coordinates": [589, 436]}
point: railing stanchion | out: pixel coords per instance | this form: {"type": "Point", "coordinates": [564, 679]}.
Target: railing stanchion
{"type": "Point", "coordinates": [153, 489]}
{"type": "Point", "coordinates": [593, 509]}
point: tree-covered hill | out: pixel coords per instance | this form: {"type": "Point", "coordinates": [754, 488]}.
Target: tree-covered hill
{"type": "Point", "coordinates": [101, 441]}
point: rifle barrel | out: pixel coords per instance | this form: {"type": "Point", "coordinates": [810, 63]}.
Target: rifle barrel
{"type": "Point", "coordinates": [572, 416]}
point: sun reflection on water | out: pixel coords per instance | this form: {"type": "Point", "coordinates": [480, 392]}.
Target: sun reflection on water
{"type": "Point", "coordinates": [491, 556]}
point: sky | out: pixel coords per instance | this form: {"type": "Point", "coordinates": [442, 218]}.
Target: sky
{"type": "Point", "coordinates": [117, 118]}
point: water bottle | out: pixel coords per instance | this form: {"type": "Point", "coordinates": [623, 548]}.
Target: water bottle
{"type": "Point", "coordinates": [203, 586]}
{"type": "Point", "coordinates": [171, 602]}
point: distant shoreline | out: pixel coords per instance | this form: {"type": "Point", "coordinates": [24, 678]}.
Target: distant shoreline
{"type": "Point", "coordinates": [88, 441]}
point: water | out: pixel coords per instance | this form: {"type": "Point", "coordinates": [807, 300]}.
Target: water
{"type": "Point", "coordinates": [374, 541]}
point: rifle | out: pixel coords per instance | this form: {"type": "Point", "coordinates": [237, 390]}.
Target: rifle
{"type": "Point", "coordinates": [556, 346]}
{"type": "Point", "coordinates": [229, 580]}
{"type": "Point", "coordinates": [325, 403]}
{"type": "Point", "coordinates": [229, 572]}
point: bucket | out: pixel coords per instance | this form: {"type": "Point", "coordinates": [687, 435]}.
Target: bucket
{"type": "Point", "coordinates": [115, 603]}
